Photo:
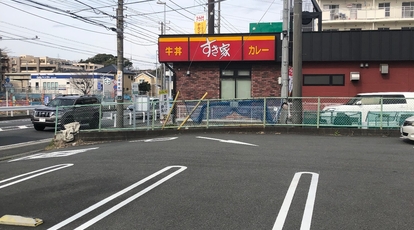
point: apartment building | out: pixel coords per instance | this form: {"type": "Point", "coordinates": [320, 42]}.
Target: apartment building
{"type": "Point", "coordinates": [339, 15]}
{"type": "Point", "coordinates": [20, 68]}
{"type": "Point", "coordinates": [88, 67]}
{"type": "Point", "coordinates": [4, 67]}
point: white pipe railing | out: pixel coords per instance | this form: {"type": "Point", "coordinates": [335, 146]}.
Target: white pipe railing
{"type": "Point", "coordinates": [16, 108]}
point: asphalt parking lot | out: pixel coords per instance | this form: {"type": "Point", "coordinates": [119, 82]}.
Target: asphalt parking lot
{"type": "Point", "coordinates": [216, 181]}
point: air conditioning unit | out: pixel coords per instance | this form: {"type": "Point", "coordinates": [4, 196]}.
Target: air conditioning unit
{"type": "Point", "coordinates": [354, 76]}
{"type": "Point", "coordinates": [384, 68]}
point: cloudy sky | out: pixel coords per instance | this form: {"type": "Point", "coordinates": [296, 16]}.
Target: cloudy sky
{"type": "Point", "coordinates": [79, 29]}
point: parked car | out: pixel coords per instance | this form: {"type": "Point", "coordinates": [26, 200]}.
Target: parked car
{"type": "Point", "coordinates": [392, 105]}
{"type": "Point", "coordinates": [69, 109]}
{"type": "Point", "coordinates": [407, 129]}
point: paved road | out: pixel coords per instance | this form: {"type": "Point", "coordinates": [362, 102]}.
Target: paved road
{"type": "Point", "coordinates": [217, 181]}
{"type": "Point", "coordinates": [19, 137]}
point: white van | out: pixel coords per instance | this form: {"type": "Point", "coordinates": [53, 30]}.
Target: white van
{"type": "Point", "coordinates": [372, 109]}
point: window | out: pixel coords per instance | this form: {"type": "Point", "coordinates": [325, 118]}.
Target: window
{"type": "Point", "coordinates": [407, 28]}
{"type": "Point", "coordinates": [355, 29]}
{"type": "Point", "coordinates": [386, 6]}
{"type": "Point", "coordinates": [334, 11]}
{"type": "Point", "coordinates": [383, 28]}
{"type": "Point", "coordinates": [324, 80]}
{"type": "Point", "coordinates": [235, 84]}
{"type": "Point", "coordinates": [407, 9]}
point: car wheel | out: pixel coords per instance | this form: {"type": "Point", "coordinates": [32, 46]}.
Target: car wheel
{"type": "Point", "coordinates": [39, 127]}
{"type": "Point", "coordinates": [94, 122]}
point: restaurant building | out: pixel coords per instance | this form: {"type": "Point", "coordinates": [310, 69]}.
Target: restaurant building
{"type": "Point", "coordinates": [334, 63]}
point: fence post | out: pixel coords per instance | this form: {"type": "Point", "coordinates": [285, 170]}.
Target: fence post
{"type": "Point", "coordinates": [318, 113]}
{"type": "Point", "coordinates": [264, 113]}
{"type": "Point", "coordinates": [381, 103]}
{"type": "Point", "coordinates": [56, 119]}
{"type": "Point", "coordinates": [208, 113]}
{"type": "Point", "coordinates": [100, 116]}
{"type": "Point", "coordinates": [114, 120]}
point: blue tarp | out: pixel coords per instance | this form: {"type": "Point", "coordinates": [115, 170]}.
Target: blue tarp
{"type": "Point", "coordinates": [252, 109]}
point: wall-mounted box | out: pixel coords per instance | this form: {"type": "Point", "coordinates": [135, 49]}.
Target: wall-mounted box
{"type": "Point", "coordinates": [354, 76]}
{"type": "Point", "coordinates": [383, 68]}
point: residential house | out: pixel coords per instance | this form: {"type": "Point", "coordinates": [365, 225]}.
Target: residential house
{"type": "Point", "coordinates": [152, 80]}
{"type": "Point", "coordinates": [128, 76]}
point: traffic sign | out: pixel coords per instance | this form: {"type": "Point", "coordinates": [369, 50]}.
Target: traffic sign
{"type": "Point", "coordinates": [7, 80]}
{"type": "Point", "coordinates": [8, 85]}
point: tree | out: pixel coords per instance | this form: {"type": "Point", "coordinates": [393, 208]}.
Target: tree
{"type": "Point", "coordinates": [106, 59]}
{"type": "Point", "coordinates": [82, 82]}
{"type": "Point", "coordinates": [144, 87]}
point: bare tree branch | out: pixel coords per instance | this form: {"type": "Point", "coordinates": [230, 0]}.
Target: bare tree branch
{"type": "Point", "coordinates": [82, 82]}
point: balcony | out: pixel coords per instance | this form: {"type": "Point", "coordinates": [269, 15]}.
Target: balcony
{"type": "Point", "coordinates": [351, 15]}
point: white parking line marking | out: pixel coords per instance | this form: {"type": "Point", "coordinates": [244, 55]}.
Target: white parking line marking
{"type": "Point", "coordinates": [12, 128]}
{"type": "Point", "coordinates": [226, 141]}
{"type": "Point", "coordinates": [307, 214]}
{"type": "Point", "coordinates": [156, 139]}
{"type": "Point", "coordinates": [54, 154]}
{"type": "Point", "coordinates": [12, 146]}
{"type": "Point", "coordinates": [42, 171]}
{"type": "Point", "coordinates": [118, 206]}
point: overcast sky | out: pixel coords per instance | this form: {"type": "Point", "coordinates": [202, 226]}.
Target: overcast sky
{"type": "Point", "coordinates": [79, 29]}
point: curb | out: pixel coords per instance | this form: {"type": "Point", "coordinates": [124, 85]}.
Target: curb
{"type": "Point", "coordinates": [108, 135]}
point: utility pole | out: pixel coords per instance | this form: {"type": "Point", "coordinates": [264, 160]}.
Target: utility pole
{"type": "Point", "coordinates": [210, 18]}
{"type": "Point", "coordinates": [297, 62]}
{"type": "Point", "coordinates": [285, 49]}
{"type": "Point", "coordinates": [218, 17]}
{"type": "Point", "coordinates": [284, 69]}
{"type": "Point", "coordinates": [163, 32]}
{"type": "Point", "coordinates": [120, 64]}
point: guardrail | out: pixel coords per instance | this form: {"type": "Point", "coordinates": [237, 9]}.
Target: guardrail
{"type": "Point", "coordinates": [11, 109]}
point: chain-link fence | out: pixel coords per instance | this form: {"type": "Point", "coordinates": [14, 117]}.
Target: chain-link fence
{"type": "Point", "coordinates": [374, 112]}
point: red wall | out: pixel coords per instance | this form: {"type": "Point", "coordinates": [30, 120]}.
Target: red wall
{"type": "Point", "coordinates": [400, 78]}
{"type": "Point", "coordinates": [205, 77]}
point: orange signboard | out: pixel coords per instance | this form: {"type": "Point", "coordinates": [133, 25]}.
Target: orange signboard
{"type": "Point", "coordinates": [259, 48]}
{"type": "Point", "coordinates": [217, 48]}
{"type": "Point", "coordinates": [173, 49]}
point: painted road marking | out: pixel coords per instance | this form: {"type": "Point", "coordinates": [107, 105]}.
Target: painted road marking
{"type": "Point", "coordinates": [54, 154]}
{"type": "Point", "coordinates": [11, 128]}
{"type": "Point", "coordinates": [226, 141]}
{"type": "Point", "coordinates": [38, 173]}
{"type": "Point", "coordinates": [123, 203]}
{"type": "Point", "coordinates": [157, 139]}
{"type": "Point", "coordinates": [307, 214]}
{"type": "Point", "coordinates": [13, 146]}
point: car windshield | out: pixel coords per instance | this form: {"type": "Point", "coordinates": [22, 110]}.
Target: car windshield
{"type": "Point", "coordinates": [364, 100]}
{"type": "Point", "coordinates": [61, 102]}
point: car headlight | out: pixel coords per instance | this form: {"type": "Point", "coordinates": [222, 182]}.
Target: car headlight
{"type": "Point", "coordinates": [60, 113]}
